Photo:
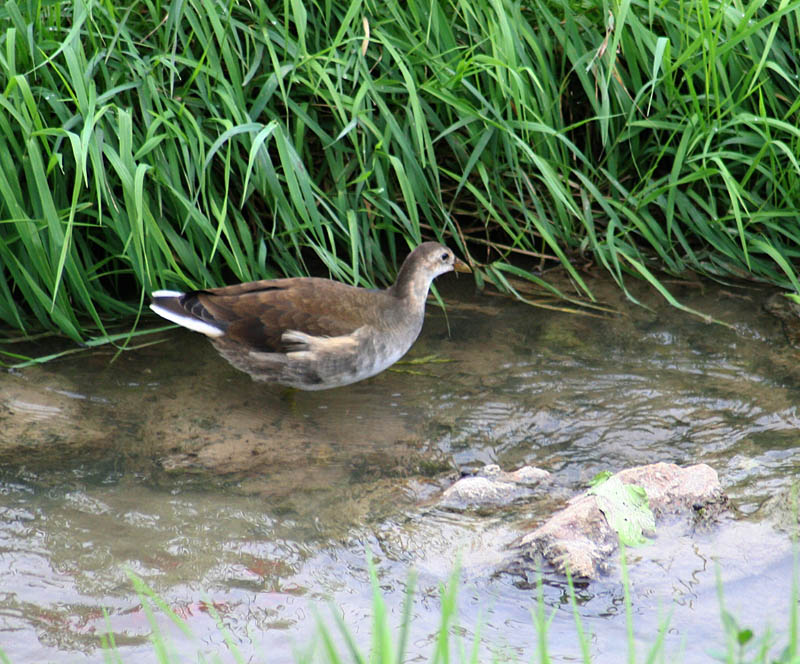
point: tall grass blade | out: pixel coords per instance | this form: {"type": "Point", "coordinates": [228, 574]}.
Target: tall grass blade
{"type": "Point", "coordinates": [226, 141]}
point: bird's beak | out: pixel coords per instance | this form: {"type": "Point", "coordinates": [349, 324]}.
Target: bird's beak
{"type": "Point", "coordinates": [460, 266]}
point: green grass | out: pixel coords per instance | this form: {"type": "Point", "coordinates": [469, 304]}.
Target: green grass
{"type": "Point", "coordinates": [185, 144]}
{"type": "Point", "coordinates": [388, 644]}
{"type": "Point", "coordinates": [338, 645]}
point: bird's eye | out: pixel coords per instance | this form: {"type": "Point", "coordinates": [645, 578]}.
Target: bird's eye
{"type": "Point", "coordinates": [445, 257]}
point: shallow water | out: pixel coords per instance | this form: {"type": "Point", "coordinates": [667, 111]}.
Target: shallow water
{"type": "Point", "coordinates": [219, 492]}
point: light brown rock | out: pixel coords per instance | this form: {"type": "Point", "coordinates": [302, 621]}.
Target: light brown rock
{"type": "Point", "coordinates": [491, 487]}
{"type": "Point", "coordinates": [579, 537]}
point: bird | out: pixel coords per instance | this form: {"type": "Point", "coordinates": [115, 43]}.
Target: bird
{"type": "Point", "coordinates": [311, 333]}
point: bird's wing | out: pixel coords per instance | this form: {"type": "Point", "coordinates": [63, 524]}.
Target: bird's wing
{"type": "Point", "coordinates": [257, 314]}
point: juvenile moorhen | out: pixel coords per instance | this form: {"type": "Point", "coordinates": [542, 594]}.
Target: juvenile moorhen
{"type": "Point", "coordinates": [311, 333]}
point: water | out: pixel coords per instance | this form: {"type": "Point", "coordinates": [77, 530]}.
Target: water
{"type": "Point", "coordinates": [231, 497]}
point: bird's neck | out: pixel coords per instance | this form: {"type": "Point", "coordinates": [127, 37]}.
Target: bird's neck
{"type": "Point", "coordinates": [411, 285]}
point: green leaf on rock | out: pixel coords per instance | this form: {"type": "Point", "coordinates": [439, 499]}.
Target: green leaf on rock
{"type": "Point", "coordinates": [626, 509]}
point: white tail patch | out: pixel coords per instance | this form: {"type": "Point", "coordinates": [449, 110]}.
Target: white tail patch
{"type": "Point", "coordinates": [166, 293]}
{"type": "Point", "coordinates": [184, 320]}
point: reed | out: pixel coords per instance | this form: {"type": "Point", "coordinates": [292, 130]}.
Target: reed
{"type": "Point", "coordinates": [389, 643]}
{"type": "Point", "coordinates": [185, 144]}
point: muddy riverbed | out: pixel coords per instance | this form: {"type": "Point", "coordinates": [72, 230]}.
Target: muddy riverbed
{"type": "Point", "coordinates": [215, 490]}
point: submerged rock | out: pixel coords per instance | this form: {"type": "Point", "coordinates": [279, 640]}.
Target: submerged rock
{"type": "Point", "coordinates": [45, 419]}
{"type": "Point", "coordinates": [492, 487]}
{"type": "Point", "coordinates": [782, 509]}
{"type": "Point", "coordinates": [785, 308]}
{"type": "Point", "coordinates": [579, 537]}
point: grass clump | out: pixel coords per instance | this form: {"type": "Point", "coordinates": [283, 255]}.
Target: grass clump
{"type": "Point", "coordinates": [183, 144]}
{"type": "Point", "coordinates": [389, 645]}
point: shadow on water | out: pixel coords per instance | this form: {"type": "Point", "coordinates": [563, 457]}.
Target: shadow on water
{"type": "Point", "coordinates": [216, 489]}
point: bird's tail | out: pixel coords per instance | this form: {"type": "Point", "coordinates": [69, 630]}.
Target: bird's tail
{"type": "Point", "coordinates": [178, 308]}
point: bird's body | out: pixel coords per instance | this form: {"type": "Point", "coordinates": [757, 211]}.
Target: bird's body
{"type": "Point", "coordinates": [311, 333]}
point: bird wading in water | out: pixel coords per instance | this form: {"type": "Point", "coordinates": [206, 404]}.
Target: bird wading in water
{"type": "Point", "coordinates": [311, 333]}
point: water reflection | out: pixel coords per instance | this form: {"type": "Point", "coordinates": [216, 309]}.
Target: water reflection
{"type": "Point", "coordinates": [262, 504]}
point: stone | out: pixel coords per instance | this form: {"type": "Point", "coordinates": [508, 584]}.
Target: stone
{"type": "Point", "coordinates": [492, 487]}
{"type": "Point", "coordinates": [579, 538]}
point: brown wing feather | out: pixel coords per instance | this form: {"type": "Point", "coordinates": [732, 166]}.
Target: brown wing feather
{"type": "Point", "coordinates": [258, 313]}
